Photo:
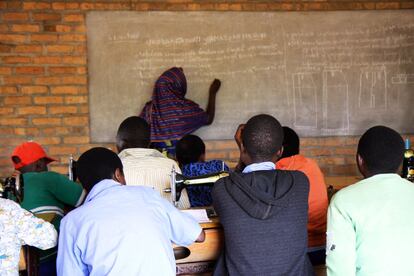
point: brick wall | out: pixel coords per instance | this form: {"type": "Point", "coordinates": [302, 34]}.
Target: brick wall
{"type": "Point", "coordinates": [44, 75]}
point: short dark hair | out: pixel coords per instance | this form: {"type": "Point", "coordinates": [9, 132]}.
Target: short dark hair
{"type": "Point", "coordinates": [95, 165]}
{"type": "Point", "coordinates": [262, 137]}
{"type": "Point", "coordinates": [133, 132]}
{"type": "Point", "coordinates": [382, 149]}
{"type": "Point", "coordinates": [189, 149]}
{"type": "Point", "coordinates": [291, 142]}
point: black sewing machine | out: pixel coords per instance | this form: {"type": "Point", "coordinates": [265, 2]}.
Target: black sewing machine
{"type": "Point", "coordinates": [12, 188]}
{"type": "Point", "coordinates": [178, 182]}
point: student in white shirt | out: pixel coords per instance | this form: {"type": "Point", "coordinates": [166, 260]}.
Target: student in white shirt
{"type": "Point", "coordinates": [142, 165]}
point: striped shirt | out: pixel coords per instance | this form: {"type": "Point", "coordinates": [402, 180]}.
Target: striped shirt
{"type": "Point", "coordinates": [148, 167]}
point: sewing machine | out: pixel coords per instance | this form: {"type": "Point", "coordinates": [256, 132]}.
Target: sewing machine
{"type": "Point", "coordinates": [12, 188]}
{"type": "Point", "coordinates": [178, 182]}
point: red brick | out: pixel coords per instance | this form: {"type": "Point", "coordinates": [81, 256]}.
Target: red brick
{"type": "Point", "coordinates": [387, 5]}
{"type": "Point", "coordinates": [6, 131]}
{"type": "Point", "coordinates": [47, 17]}
{"type": "Point", "coordinates": [35, 5]}
{"type": "Point", "coordinates": [15, 16]}
{"type": "Point", "coordinates": [76, 121]}
{"type": "Point", "coordinates": [83, 109]}
{"type": "Point", "coordinates": [25, 28]}
{"type": "Point", "coordinates": [76, 99]}
{"type": "Point", "coordinates": [12, 38]}
{"type": "Point", "coordinates": [47, 80]}
{"type": "Point", "coordinates": [63, 70]}
{"type": "Point", "coordinates": [6, 110]}
{"type": "Point", "coordinates": [407, 5]}
{"type": "Point", "coordinates": [5, 70]}
{"type": "Point", "coordinates": [73, 18]}
{"type": "Point", "coordinates": [82, 70]}
{"type": "Point", "coordinates": [13, 121]}
{"type": "Point", "coordinates": [80, 28]}
{"type": "Point", "coordinates": [28, 49]}
{"type": "Point", "coordinates": [48, 100]}
{"type": "Point", "coordinates": [229, 144]}
{"type": "Point", "coordinates": [3, 5]}
{"type": "Point", "coordinates": [4, 48]}
{"type": "Point", "coordinates": [47, 60]}
{"type": "Point", "coordinates": [17, 80]}
{"type": "Point", "coordinates": [57, 130]}
{"type": "Point", "coordinates": [46, 121]}
{"type": "Point", "coordinates": [74, 80]}
{"type": "Point", "coordinates": [65, 90]}
{"type": "Point", "coordinates": [33, 131]}
{"type": "Point", "coordinates": [43, 37]}
{"type": "Point", "coordinates": [87, 6]}
{"type": "Point", "coordinates": [8, 90]}
{"type": "Point", "coordinates": [48, 140]}
{"type": "Point", "coordinates": [31, 110]}
{"type": "Point", "coordinates": [16, 5]}
{"type": "Point", "coordinates": [63, 28]}
{"type": "Point", "coordinates": [61, 150]}
{"type": "Point", "coordinates": [72, 37]}
{"type": "Point", "coordinates": [62, 109]}
{"type": "Point", "coordinates": [76, 140]}
{"type": "Point", "coordinates": [218, 155]}
{"type": "Point", "coordinates": [30, 70]}
{"type": "Point", "coordinates": [59, 48]}
{"type": "Point", "coordinates": [34, 89]}
{"type": "Point", "coordinates": [17, 59]}
{"type": "Point", "coordinates": [74, 60]}
{"type": "Point", "coordinates": [17, 100]}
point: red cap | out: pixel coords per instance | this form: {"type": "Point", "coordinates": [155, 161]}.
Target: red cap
{"type": "Point", "coordinates": [28, 153]}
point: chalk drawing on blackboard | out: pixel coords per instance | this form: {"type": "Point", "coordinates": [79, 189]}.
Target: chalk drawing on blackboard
{"type": "Point", "coordinates": [399, 81]}
{"type": "Point", "coordinates": [335, 101]}
{"type": "Point", "coordinates": [304, 101]}
{"type": "Point", "coordinates": [402, 79]}
{"type": "Point", "coordinates": [373, 88]}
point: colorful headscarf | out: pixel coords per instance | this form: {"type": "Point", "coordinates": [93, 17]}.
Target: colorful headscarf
{"type": "Point", "coordinates": [169, 113]}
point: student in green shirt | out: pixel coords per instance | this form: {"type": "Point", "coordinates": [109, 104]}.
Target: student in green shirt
{"type": "Point", "coordinates": [45, 193]}
{"type": "Point", "coordinates": [371, 223]}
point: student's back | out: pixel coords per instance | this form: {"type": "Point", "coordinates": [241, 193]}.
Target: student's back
{"type": "Point", "coordinates": [264, 216]}
{"type": "Point", "coordinates": [263, 210]}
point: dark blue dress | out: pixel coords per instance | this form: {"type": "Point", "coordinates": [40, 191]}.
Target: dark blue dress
{"type": "Point", "coordinates": [200, 195]}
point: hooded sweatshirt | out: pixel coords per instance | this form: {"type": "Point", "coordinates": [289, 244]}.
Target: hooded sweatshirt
{"type": "Point", "coordinates": [264, 217]}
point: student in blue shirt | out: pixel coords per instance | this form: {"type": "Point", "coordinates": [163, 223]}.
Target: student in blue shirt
{"type": "Point", "coordinates": [190, 153]}
{"type": "Point", "coordinates": [120, 230]}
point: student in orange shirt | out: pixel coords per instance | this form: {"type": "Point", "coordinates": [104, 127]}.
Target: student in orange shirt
{"type": "Point", "coordinates": [318, 197]}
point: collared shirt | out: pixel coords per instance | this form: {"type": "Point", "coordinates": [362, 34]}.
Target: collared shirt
{"type": "Point", "coordinates": [263, 166]}
{"type": "Point", "coordinates": [123, 230]}
{"type": "Point", "coordinates": [371, 228]}
{"type": "Point", "coordinates": [19, 227]}
{"type": "Point", "coordinates": [148, 167]}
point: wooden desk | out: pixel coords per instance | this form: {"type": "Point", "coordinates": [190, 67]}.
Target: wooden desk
{"type": "Point", "coordinates": [339, 182]}
{"type": "Point", "coordinates": [203, 255]}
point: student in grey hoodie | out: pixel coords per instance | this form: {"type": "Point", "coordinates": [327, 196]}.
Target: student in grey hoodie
{"type": "Point", "coordinates": [263, 211]}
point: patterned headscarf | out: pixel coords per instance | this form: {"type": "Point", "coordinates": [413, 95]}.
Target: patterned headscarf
{"type": "Point", "coordinates": [170, 115]}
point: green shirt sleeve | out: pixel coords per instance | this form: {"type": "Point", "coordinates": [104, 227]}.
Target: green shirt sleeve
{"type": "Point", "coordinates": [67, 191]}
{"type": "Point", "coordinates": [340, 240]}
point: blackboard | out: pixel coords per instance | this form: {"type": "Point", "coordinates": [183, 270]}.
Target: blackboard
{"type": "Point", "coordinates": [323, 73]}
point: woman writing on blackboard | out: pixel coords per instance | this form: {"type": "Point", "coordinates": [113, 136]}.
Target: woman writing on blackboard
{"type": "Point", "coordinates": [171, 115]}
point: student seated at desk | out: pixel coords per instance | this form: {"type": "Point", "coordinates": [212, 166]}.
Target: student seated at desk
{"type": "Point", "coordinates": [142, 165]}
{"type": "Point", "coordinates": [19, 227]}
{"type": "Point", "coordinates": [318, 196]}
{"type": "Point", "coordinates": [46, 193]}
{"type": "Point", "coordinates": [371, 223]}
{"type": "Point", "coordinates": [191, 152]}
{"type": "Point", "coordinates": [263, 211]}
{"type": "Point", "coordinates": [120, 230]}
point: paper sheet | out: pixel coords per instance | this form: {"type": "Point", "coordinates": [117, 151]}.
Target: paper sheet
{"type": "Point", "coordinates": [198, 214]}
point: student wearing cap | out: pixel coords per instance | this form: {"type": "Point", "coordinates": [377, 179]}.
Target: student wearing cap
{"type": "Point", "coordinates": [45, 193]}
